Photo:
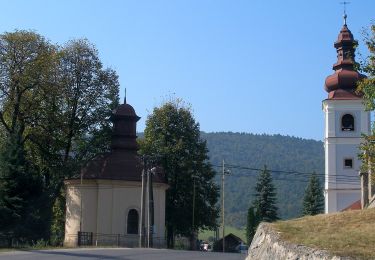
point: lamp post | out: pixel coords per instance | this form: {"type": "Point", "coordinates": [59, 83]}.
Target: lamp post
{"type": "Point", "coordinates": [147, 198]}
{"type": "Point", "coordinates": [150, 206]}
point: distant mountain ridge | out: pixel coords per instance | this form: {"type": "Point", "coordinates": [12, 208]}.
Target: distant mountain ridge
{"type": "Point", "coordinates": [281, 153]}
{"type": "Point", "coordinates": [278, 152]}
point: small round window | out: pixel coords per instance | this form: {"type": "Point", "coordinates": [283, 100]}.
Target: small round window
{"type": "Point", "coordinates": [347, 123]}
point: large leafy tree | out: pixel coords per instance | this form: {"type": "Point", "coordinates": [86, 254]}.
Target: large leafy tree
{"type": "Point", "coordinates": [173, 135]}
{"type": "Point", "coordinates": [73, 124]}
{"type": "Point", "coordinates": [265, 197]}
{"type": "Point", "coordinates": [80, 126]}
{"type": "Point", "coordinates": [366, 87]}
{"type": "Point", "coordinates": [26, 62]}
{"type": "Point", "coordinates": [313, 200]}
{"type": "Point", "coordinates": [57, 101]}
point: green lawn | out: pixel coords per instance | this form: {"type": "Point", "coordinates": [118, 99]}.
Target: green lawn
{"type": "Point", "coordinates": [241, 233]}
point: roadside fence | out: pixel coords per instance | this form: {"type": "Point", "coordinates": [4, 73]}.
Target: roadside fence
{"type": "Point", "coordinates": [115, 240]}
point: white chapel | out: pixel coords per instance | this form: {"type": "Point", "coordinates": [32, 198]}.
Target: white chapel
{"type": "Point", "coordinates": [105, 206]}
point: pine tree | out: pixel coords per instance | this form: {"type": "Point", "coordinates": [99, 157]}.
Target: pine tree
{"type": "Point", "coordinates": [252, 224]}
{"type": "Point", "coordinates": [313, 201]}
{"type": "Point", "coordinates": [265, 197]}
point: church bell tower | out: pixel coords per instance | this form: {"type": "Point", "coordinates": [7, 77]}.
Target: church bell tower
{"type": "Point", "coordinates": [345, 121]}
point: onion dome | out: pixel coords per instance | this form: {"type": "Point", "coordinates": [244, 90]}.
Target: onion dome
{"type": "Point", "coordinates": [123, 161]}
{"type": "Point", "coordinates": [342, 83]}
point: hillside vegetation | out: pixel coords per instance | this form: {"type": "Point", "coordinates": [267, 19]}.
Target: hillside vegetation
{"type": "Point", "coordinates": [278, 153]}
{"type": "Point", "coordinates": [346, 234]}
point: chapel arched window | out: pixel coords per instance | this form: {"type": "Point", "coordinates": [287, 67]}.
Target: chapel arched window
{"type": "Point", "coordinates": [132, 227]}
{"type": "Point", "coordinates": [347, 123]}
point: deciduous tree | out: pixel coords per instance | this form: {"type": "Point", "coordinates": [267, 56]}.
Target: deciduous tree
{"type": "Point", "coordinates": [366, 87]}
{"type": "Point", "coordinates": [57, 100]}
{"type": "Point", "coordinates": [173, 135]}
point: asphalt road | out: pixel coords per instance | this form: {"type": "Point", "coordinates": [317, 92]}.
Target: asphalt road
{"type": "Point", "coordinates": [118, 253]}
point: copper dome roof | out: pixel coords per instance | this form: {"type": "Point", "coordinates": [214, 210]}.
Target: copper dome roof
{"type": "Point", "coordinates": [344, 35]}
{"type": "Point", "coordinates": [124, 110]}
{"type": "Point", "coordinates": [344, 79]}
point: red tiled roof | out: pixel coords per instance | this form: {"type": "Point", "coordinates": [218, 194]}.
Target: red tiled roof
{"type": "Point", "coordinates": [355, 206]}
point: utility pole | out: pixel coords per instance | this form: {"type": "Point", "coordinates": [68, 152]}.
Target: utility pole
{"type": "Point", "coordinates": [222, 208]}
{"type": "Point", "coordinates": [150, 207]}
{"type": "Point", "coordinates": [225, 171]}
{"type": "Point", "coordinates": [143, 196]}
{"type": "Point", "coordinates": [147, 200]}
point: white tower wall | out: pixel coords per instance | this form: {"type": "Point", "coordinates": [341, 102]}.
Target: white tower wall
{"type": "Point", "coordinates": [342, 184]}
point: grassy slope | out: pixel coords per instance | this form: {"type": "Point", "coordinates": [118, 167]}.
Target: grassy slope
{"type": "Point", "coordinates": [346, 234]}
{"type": "Point", "coordinates": [241, 233]}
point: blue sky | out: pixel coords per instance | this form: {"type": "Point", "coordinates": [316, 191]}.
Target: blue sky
{"type": "Point", "coordinates": [244, 66]}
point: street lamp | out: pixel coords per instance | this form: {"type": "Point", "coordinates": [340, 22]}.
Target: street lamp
{"type": "Point", "coordinates": [147, 192]}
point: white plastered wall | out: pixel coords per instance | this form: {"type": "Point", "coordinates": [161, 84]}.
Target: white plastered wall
{"type": "Point", "coordinates": [105, 205]}
{"type": "Point", "coordinates": [342, 185]}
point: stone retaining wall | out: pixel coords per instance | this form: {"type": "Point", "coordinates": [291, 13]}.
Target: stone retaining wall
{"type": "Point", "coordinates": [267, 245]}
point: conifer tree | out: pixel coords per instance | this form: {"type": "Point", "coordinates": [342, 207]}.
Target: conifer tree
{"type": "Point", "coordinates": [252, 224]}
{"type": "Point", "coordinates": [313, 201]}
{"type": "Point", "coordinates": [265, 197]}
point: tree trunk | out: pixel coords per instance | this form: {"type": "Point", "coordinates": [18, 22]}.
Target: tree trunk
{"type": "Point", "coordinates": [193, 241]}
{"type": "Point", "coordinates": [170, 237]}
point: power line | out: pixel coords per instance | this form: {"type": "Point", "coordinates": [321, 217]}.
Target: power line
{"type": "Point", "coordinates": [333, 178]}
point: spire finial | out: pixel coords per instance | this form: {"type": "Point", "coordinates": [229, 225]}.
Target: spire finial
{"type": "Point", "coordinates": [345, 16]}
{"type": "Point", "coordinates": [125, 97]}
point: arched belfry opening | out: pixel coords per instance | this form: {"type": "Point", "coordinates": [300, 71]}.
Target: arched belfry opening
{"type": "Point", "coordinates": [347, 122]}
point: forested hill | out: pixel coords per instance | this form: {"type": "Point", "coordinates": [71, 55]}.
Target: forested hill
{"type": "Point", "coordinates": [278, 152]}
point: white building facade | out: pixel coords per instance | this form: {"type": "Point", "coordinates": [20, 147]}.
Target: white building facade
{"type": "Point", "coordinates": [109, 204]}
{"type": "Point", "coordinates": [342, 183]}
{"type": "Point", "coordinates": [345, 121]}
